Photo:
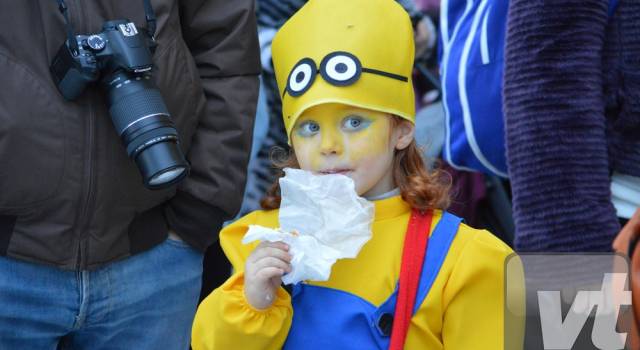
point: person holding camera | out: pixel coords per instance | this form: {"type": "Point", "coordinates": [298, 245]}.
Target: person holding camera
{"type": "Point", "coordinates": [125, 129]}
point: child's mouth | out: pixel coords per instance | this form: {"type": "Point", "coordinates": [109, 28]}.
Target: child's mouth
{"type": "Point", "coordinates": [335, 171]}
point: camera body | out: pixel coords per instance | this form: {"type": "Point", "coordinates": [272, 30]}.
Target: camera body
{"type": "Point", "coordinates": [120, 46]}
{"type": "Point", "coordinates": [120, 58]}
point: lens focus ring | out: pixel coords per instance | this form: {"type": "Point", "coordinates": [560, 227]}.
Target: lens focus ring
{"type": "Point", "coordinates": [136, 107]}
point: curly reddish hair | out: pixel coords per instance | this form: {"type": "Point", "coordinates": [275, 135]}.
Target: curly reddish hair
{"type": "Point", "coordinates": [423, 189]}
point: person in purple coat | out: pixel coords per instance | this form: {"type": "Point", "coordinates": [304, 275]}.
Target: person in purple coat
{"type": "Point", "coordinates": [572, 121]}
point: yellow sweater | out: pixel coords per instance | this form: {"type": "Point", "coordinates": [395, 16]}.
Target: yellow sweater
{"type": "Point", "coordinates": [463, 310]}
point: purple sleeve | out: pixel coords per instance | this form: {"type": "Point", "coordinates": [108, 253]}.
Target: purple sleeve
{"type": "Point", "coordinates": [555, 126]}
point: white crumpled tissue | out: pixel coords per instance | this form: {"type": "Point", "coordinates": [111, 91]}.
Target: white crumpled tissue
{"type": "Point", "coordinates": [322, 219]}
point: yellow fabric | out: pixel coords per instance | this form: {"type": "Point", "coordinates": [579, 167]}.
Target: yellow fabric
{"type": "Point", "coordinates": [464, 309]}
{"type": "Point", "coordinates": [377, 32]}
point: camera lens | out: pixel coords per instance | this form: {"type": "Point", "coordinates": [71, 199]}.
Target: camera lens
{"type": "Point", "coordinates": [143, 122]}
{"type": "Point", "coordinates": [157, 164]}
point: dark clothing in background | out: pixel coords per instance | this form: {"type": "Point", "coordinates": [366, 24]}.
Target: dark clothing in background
{"type": "Point", "coordinates": [273, 13]}
{"type": "Point", "coordinates": [572, 114]}
{"type": "Point", "coordinates": [69, 195]}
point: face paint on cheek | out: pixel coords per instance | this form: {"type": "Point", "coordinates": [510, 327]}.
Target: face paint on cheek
{"type": "Point", "coordinates": [304, 148]}
{"type": "Point", "coordinates": [315, 161]}
{"type": "Point", "coordinates": [370, 142]}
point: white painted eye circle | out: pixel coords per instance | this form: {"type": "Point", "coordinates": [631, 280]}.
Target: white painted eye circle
{"type": "Point", "coordinates": [340, 68]}
{"type": "Point", "coordinates": [301, 77]}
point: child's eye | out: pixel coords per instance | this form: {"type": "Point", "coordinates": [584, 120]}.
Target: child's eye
{"type": "Point", "coordinates": [308, 128]}
{"type": "Point", "coordinates": [354, 123]}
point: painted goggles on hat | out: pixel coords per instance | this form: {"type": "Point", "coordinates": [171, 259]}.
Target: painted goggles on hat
{"type": "Point", "coordinates": [337, 68]}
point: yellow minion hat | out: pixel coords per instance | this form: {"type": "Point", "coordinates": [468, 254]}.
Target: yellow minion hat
{"type": "Point", "coordinates": [355, 52]}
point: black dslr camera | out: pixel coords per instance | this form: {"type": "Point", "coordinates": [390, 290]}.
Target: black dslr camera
{"type": "Point", "coordinates": [120, 57]}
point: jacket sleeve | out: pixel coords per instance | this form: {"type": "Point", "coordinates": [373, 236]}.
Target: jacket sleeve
{"type": "Point", "coordinates": [555, 126]}
{"type": "Point", "coordinates": [474, 298]}
{"type": "Point", "coordinates": [222, 38]}
{"type": "Point", "coordinates": [225, 320]}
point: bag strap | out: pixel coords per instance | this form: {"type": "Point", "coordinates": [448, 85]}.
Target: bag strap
{"type": "Point", "coordinates": [415, 247]}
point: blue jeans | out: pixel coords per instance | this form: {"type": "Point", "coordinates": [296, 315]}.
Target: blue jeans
{"type": "Point", "coordinates": [147, 301]}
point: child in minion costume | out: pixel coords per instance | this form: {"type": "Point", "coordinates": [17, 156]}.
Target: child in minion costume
{"type": "Point", "coordinates": [344, 55]}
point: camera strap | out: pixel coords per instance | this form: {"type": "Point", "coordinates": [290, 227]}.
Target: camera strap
{"type": "Point", "coordinates": [70, 35]}
{"type": "Point", "coordinates": [149, 16]}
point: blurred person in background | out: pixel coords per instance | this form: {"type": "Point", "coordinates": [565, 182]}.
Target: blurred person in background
{"type": "Point", "coordinates": [572, 113]}
{"type": "Point", "coordinates": [471, 58]}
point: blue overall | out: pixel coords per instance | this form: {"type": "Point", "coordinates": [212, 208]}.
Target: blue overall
{"type": "Point", "coordinates": [326, 318]}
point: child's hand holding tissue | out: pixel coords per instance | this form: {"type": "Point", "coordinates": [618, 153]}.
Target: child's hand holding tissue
{"type": "Point", "coordinates": [263, 272]}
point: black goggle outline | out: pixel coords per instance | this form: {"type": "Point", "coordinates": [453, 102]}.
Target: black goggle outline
{"type": "Point", "coordinates": [339, 68]}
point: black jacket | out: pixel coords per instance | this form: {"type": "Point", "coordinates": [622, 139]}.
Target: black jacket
{"type": "Point", "coordinates": [69, 195]}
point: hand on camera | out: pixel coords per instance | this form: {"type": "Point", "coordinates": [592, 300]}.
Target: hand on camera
{"type": "Point", "coordinates": [263, 273]}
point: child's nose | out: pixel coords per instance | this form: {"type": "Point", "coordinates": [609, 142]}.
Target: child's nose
{"type": "Point", "coordinates": [331, 144]}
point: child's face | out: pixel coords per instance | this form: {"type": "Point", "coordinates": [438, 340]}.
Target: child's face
{"type": "Point", "coordinates": [359, 143]}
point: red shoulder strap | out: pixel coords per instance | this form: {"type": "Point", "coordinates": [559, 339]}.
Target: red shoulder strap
{"type": "Point", "coordinates": [413, 253]}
